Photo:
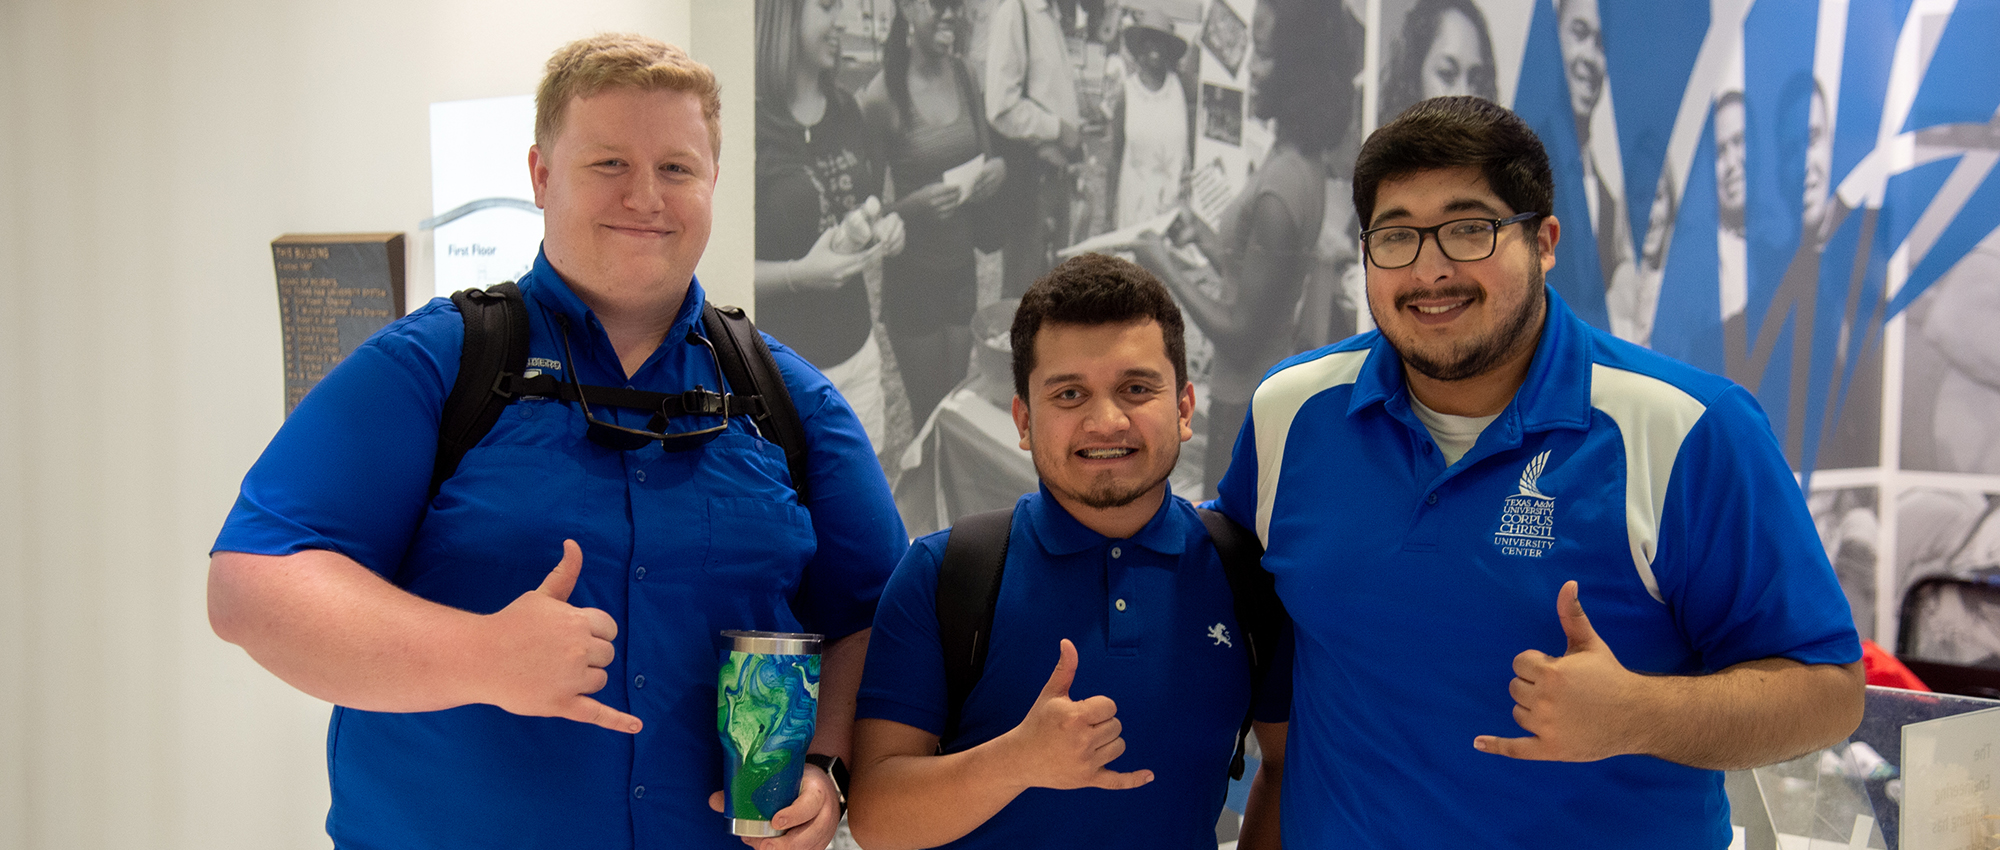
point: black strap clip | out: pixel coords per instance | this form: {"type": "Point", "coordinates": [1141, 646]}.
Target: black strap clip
{"type": "Point", "coordinates": [700, 402]}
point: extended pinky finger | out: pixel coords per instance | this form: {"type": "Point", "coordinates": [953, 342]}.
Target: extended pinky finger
{"type": "Point", "coordinates": [583, 709]}
{"type": "Point", "coordinates": [1516, 748]}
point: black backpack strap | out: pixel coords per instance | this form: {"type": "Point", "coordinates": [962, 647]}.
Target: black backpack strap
{"type": "Point", "coordinates": [496, 350]}
{"type": "Point", "coordinates": [1259, 614]}
{"type": "Point", "coordinates": [751, 371]}
{"type": "Point", "coordinates": [975, 556]}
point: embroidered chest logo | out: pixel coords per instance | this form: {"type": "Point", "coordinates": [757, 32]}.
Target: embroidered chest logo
{"type": "Point", "coordinates": [1219, 634]}
{"type": "Point", "coordinates": [1528, 517]}
{"type": "Point", "coordinates": [537, 364]}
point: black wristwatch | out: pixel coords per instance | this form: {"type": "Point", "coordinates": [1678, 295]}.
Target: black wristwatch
{"type": "Point", "coordinates": [835, 770]}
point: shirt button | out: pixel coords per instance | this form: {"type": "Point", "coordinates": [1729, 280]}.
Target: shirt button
{"type": "Point", "coordinates": [641, 572]}
{"type": "Point", "coordinates": [638, 681]}
{"type": "Point", "coordinates": [639, 791]}
{"type": "Point", "coordinates": [1117, 552]}
{"type": "Point", "coordinates": [1120, 604]}
{"type": "Point", "coordinates": [1431, 499]}
{"type": "Point", "coordinates": [641, 474]}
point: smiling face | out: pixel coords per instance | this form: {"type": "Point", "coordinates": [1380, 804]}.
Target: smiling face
{"type": "Point", "coordinates": [1150, 51]}
{"type": "Point", "coordinates": [625, 190]}
{"type": "Point", "coordinates": [1454, 64]}
{"type": "Point", "coordinates": [1104, 419]}
{"type": "Point", "coordinates": [1583, 56]}
{"type": "Point", "coordinates": [933, 26]}
{"type": "Point", "coordinates": [819, 34]}
{"type": "Point", "coordinates": [1453, 321]}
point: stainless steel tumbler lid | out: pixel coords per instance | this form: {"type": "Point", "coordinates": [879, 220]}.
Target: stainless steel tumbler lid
{"type": "Point", "coordinates": [774, 643]}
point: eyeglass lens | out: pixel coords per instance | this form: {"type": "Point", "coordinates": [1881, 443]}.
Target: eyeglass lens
{"type": "Point", "coordinates": [1465, 241]}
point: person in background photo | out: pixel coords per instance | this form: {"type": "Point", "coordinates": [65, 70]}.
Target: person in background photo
{"type": "Point", "coordinates": [1445, 49]}
{"type": "Point", "coordinates": [926, 114]}
{"type": "Point", "coordinates": [525, 654]}
{"type": "Point", "coordinates": [1632, 308]}
{"type": "Point", "coordinates": [1581, 40]}
{"type": "Point", "coordinates": [1305, 60]}
{"type": "Point", "coordinates": [1031, 101]}
{"type": "Point", "coordinates": [1150, 122]}
{"type": "Point", "coordinates": [1732, 191]}
{"type": "Point", "coordinates": [820, 218]}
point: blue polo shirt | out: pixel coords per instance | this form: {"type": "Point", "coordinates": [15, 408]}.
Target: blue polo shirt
{"type": "Point", "coordinates": [1154, 626]}
{"type": "Point", "coordinates": [677, 546]}
{"type": "Point", "coordinates": [1413, 584]}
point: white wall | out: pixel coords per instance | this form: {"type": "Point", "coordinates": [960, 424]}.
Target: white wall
{"type": "Point", "coordinates": [148, 154]}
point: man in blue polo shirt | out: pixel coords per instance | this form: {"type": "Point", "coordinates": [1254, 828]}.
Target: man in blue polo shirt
{"type": "Point", "coordinates": [528, 657]}
{"type": "Point", "coordinates": [1442, 500]}
{"type": "Point", "coordinates": [1107, 712]}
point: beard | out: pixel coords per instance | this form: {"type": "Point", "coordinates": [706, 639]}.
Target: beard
{"type": "Point", "coordinates": [1473, 357]}
{"type": "Point", "coordinates": [1105, 491]}
{"type": "Point", "coordinates": [1110, 495]}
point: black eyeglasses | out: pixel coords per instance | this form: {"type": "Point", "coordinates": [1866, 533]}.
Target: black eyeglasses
{"type": "Point", "coordinates": [1465, 240]}
{"type": "Point", "coordinates": [698, 401]}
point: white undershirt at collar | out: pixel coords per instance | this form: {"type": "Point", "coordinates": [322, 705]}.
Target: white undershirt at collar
{"type": "Point", "coordinates": [1455, 435]}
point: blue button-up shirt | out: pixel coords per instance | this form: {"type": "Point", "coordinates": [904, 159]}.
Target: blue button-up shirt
{"type": "Point", "coordinates": [1154, 624]}
{"type": "Point", "coordinates": [677, 546]}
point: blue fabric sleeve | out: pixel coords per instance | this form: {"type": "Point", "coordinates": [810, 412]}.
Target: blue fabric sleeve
{"type": "Point", "coordinates": [1236, 493]}
{"type": "Point", "coordinates": [860, 534]}
{"type": "Point", "coordinates": [349, 471]}
{"type": "Point", "coordinates": [1739, 560]}
{"type": "Point", "coordinates": [904, 680]}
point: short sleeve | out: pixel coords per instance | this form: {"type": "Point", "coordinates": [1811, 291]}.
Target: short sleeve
{"type": "Point", "coordinates": [349, 471]}
{"type": "Point", "coordinates": [1236, 494]}
{"type": "Point", "coordinates": [860, 535]}
{"type": "Point", "coordinates": [1740, 562]}
{"type": "Point", "coordinates": [904, 679]}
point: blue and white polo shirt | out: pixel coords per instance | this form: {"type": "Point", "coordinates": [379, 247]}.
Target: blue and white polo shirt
{"type": "Point", "coordinates": [1657, 487]}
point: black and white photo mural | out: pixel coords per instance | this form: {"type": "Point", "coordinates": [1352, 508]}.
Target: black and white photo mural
{"type": "Point", "coordinates": [1798, 194]}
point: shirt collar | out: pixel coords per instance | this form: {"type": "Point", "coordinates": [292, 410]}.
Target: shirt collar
{"type": "Point", "coordinates": [1556, 393]}
{"type": "Point", "coordinates": [1059, 533]}
{"type": "Point", "coordinates": [548, 289]}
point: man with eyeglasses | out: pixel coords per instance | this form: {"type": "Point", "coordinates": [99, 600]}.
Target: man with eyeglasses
{"type": "Point", "coordinates": [528, 655]}
{"type": "Point", "coordinates": [1442, 499]}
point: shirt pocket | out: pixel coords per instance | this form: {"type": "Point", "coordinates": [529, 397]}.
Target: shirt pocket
{"type": "Point", "coordinates": [759, 536]}
{"type": "Point", "coordinates": [759, 544]}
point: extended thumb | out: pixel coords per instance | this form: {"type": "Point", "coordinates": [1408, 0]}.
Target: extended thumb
{"type": "Point", "coordinates": [1575, 624]}
{"type": "Point", "coordinates": [562, 579]}
{"type": "Point", "coordinates": [1064, 674]}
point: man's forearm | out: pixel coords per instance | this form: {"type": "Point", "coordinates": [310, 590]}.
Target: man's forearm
{"type": "Point", "coordinates": [1260, 812]}
{"type": "Point", "coordinates": [839, 685]}
{"type": "Point", "coordinates": [334, 629]}
{"type": "Point", "coordinates": [906, 801]}
{"type": "Point", "coordinates": [1752, 714]}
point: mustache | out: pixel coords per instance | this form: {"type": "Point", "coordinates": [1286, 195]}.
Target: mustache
{"type": "Point", "coordinates": [1462, 291]}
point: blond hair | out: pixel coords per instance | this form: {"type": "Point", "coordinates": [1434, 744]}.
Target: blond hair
{"type": "Point", "coordinates": [587, 66]}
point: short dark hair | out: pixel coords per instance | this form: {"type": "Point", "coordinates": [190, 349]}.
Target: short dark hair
{"type": "Point", "coordinates": [1453, 132]}
{"type": "Point", "coordinates": [1093, 289]}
